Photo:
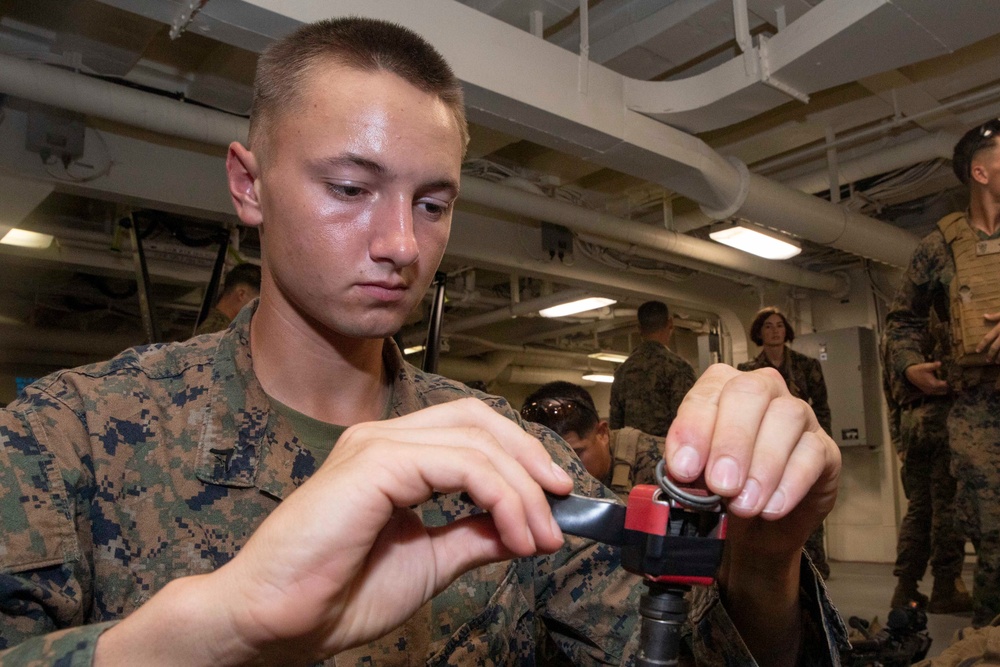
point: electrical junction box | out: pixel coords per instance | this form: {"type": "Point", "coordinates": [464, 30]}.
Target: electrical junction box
{"type": "Point", "coordinates": [849, 358]}
{"type": "Point", "coordinates": [55, 133]}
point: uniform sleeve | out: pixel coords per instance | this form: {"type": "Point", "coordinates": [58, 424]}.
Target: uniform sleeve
{"type": "Point", "coordinates": [587, 602]}
{"type": "Point", "coordinates": [680, 380]}
{"type": "Point", "coordinates": [716, 642]}
{"type": "Point", "coordinates": [907, 325]}
{"type": "Point", "coordinates": [616, 416]}
{"type": "Point", "coordinates": [45, 580]}
{"type": "Point", "coordinates": [648, 453]}
{"type": "Point", "coordinates": [818, 397]}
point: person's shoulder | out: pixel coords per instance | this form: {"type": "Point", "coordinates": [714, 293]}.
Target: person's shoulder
{"type": "Point", "coordinates": [433, 389]}
{"type": "Point", "coordinates": [645, 439]}
{"type": "Point", "coordinates": [677, 359]}
{"type": "Point", "coordinates": [130, 369]}
{"type": "Point", "coordinates": [931, 252]}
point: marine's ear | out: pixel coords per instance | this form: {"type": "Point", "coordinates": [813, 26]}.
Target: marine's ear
{"type": "Point", "coordinates": [243, 172]}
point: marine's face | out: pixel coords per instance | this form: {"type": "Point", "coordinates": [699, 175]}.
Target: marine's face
{"type": "Point", "coordinates": [356, 199]}
{"type": "Point", "coordinates": [594, 450]}
{"type": "Point", "coordinates": [773, 330]}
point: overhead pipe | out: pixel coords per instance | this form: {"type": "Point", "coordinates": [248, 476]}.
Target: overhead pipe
{"type": "Point", "coordinates": [705, 175]}
{"type": "Point", "coordinates": [939, 145]}
{"type": "Point", "coordinates": [581, 357]}
{"type": "Point", "coordinates": [882, 128]}
{"type": "Point", "coordinates": [515, 310]}
{"type": "Point", "coordinates": [87, 95]}
{"type": "Point", "coordinates": [540, 207]}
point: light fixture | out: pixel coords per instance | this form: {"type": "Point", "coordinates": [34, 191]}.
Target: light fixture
{"type": "Point", "coordinates": [613, 357]}
{"type": "Point", "coordinates": [26, 239]}
{"type": "Point", "coordinates": [414, 349]}
{"type": "Point", "coordinates": [574, 307]}
{"type": "Point", "coordinates": [599, 377]}
{"type": "Point", "coordinates": [756, 240]}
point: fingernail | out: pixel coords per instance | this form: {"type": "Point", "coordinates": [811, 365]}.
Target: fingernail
{"type": "Point", "coordinates": [531, 538]}
{"type": "Point", "coordinates": [775, 504]}
{"type": "Point", "coordinates": [725, 474]}
{"type": "Point", "coordinates": [749, 496]}
{"type": "Point", "coordinates": [556, 530]}
{"type": "Point", "coordinates": [685, 462]}
{"type": "Point", "coordinates": [560, 474]}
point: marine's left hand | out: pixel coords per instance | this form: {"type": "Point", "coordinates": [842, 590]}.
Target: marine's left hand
{"type": "Point", "coordinates": [759, 447]}
{"type": "Point", "coordinates": [763, 450]}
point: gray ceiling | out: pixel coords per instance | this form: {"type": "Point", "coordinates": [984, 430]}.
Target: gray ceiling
{"type": "Point", "coordinates": [876, 83]}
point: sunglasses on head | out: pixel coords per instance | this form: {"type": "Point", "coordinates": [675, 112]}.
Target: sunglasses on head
{"type": "Point", "coordinates": [989, 129]}
{"type": "Point", "coordinates": [547, 410]}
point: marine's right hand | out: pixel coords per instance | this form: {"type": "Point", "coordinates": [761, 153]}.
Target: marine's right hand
{"type": "Point", "coordinates": [924, 377]}
{"type": "Point", "coordinates": [343, 559]}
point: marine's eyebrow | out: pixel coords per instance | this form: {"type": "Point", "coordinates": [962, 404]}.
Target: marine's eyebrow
{"type": "Point", "coordinates": [354, 160]}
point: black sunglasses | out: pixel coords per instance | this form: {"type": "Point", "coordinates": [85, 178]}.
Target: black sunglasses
{"type": "Point", "coordinates": [556, 410]}
{"type": "Point", "coordinates": [988, 131]}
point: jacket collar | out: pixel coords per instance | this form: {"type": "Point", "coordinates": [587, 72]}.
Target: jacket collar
{"type": "Point", "coordinates": [265, 452]}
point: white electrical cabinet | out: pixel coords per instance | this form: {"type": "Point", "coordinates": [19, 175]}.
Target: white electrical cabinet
{"type": "Point", "coordinates": [849, 358]}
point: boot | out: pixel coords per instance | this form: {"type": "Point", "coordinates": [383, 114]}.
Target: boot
{"type": "Point", "coordinates": [905, 593]}
{"type": "Point", "coordinates": [950, 597]}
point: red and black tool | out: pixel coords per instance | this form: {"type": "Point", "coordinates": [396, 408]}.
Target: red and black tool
{"type": "Point", "coordinates": [671, 536]}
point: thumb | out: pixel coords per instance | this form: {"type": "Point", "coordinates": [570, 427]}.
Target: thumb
{"type": "Point", "coordinates": [463, 545]}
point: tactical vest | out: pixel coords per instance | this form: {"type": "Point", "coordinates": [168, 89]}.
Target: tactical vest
{"type": "Point", "coordinates": [975, 289]}
{"type": "Point", "coordinates": [626, 443]}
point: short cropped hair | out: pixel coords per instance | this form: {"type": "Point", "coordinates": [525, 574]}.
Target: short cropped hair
{"type": "Point", "coordinates": [365, 44]}
{"type": "Point", "coordinates": [653, 317]}
{"type": "Point", "coordinates": [562, 406]}
{"type": "Point", "coordinates": [758, 324]}
{"type": "Point", "coordinates": [242, 274]}
{"type": "Point", "coordinates": [975, 140]}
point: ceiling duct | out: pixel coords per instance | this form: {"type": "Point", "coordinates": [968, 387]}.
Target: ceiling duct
{"type": "Point", "coordinates": [549, 108]}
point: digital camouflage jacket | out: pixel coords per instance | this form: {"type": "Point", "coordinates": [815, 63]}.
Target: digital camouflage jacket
{"type": "Point", "coordinates": [634, 456]}
{"type": "Point", "coordinates": [118, 477]}
{"type": "Point", "coordinates": [908, 333]}
{"type": "Point", "coordinates": [648, 389]}
{"type": "Point", "coordinates": [804, 377]}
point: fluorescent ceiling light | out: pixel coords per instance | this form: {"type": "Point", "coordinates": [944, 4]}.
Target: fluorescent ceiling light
{"type": "Point", "coordinates": [609, 356]}
{"type": "Point", "coordinates": [574, 307]}
{"type": "Point", "coordinates": [757, 241]}
{"type": "Point", "coordinates": [414, 349]}
{"type": "Point", "coordinates": [599, 377]}
{"type": "Point", "coordinates": [26, 239]}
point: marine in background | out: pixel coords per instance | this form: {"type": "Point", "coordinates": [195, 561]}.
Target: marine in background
{"type": "Point", "coordinates": [772, 332]}
{"type": "Point", "coordinates": [618, 458]}
{"type": "Point", "coordinates": [927, 534]}
{"type": "Point", "coordinates": [651, 383]}
{"type": "Point", "coordinates": [953, 272]}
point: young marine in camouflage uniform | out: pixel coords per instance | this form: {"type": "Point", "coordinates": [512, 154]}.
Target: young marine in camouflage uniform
{"type": "Point", "coordinates": [651, 383]}
{"type": "Point", "coordinates": [618, 458]}
{"type": "Point", "coordinates": [161, 508]}
{"type": "Point", "coordinates": [918, 427]}
{"type": "Point", "coordinates": [936, 281]}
